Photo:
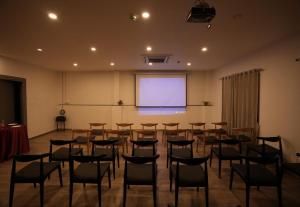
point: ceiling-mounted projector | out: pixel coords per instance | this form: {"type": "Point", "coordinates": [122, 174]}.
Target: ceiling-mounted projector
{"type": "Point", "coordinates": [201, 12]}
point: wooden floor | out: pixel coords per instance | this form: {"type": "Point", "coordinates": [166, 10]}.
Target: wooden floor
{"type": "Point", "coordinates": [141, 196]}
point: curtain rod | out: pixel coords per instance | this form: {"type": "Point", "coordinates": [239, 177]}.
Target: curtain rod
{"type": "Point", "coordinates": [258, 70]}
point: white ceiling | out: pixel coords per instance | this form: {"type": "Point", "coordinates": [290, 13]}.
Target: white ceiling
{"type": "Point", "coordinates": [240, 28]}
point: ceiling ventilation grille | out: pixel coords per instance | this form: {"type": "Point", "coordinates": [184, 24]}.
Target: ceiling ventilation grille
{"type": "Point", "coordinates": [156, 58]}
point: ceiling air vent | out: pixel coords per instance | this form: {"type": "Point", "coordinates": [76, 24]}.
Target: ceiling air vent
{"type": "Point", "coordinates": [156, 58]}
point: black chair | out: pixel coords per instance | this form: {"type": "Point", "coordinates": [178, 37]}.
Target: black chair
{"type": "Point", "coordinates": [62, 154]}
{"type": "Point", "coordinates": [293, 167]}
{"type": "Point", "coordinates": [142, 147]}
{"type": "Point", "coordinates": [210, 137]}
{"type": "Point", "coordinates": [34, 172]}
{"type": "Point", "coordinates": [88, 172]}
{"type": "Point", "coordinates": [97, 129]}
{"type": "Point", "coordinates": [266, 150]}
{"type": "Point", "coordinates": [258, 174]}
{"type": "Point", "coordinates": [108, 148]}
{"type": "Point", "coordinates": [140, 171]}
{"type": "Point", "coordinates": [180, 148]}
{"type": "Point", "coordinates": [231, 151]}
{"type": "Point", "coordinates": [189, 172]}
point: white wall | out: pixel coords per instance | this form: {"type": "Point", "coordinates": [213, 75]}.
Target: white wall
{"type": "Point", "coordinates": [90, 89]}
{"type": "Point", "coordinates": [42, 90]}
{"type": "Point", "coordinates": [280, 89]}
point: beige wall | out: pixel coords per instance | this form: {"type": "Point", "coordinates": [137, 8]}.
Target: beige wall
{"type": "Point", "coordinates": [91, 89]}
{"type": "Point", "coordinates": [43, 93]}
{"type": "Point", "coordinates": [280, 89]}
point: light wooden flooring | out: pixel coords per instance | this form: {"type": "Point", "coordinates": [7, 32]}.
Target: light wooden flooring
{"type": "Point", "coordinates": [141, 196]}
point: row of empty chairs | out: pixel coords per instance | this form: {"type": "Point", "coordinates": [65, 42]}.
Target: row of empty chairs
{"type": "Point", "coordinates": [125, 131]}
{"type": "Point", "coordinates": [188, 170]}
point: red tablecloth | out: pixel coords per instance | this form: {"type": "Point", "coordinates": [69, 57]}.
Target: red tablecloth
{"type": "Point", "coordinates": [13, 140]}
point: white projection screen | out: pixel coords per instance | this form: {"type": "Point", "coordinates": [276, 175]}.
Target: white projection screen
{"type": "Point", "coordinates": [160, 90]}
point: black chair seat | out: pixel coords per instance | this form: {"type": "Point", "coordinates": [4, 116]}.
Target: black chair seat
{"type": "Point", "coordinates": [31, 172]}
{"type": "Point", "coordinates": [143, 152]}
{"type": "Point", "coordinates": [210, 140]}
{"type": "Point", "coordinates": [294, 167]}
{"type": "Point", "coordinates": [87, 172]}
{"type": "Point", "coordinates": [188, 177]}
{"type": "Point", "coordinates": [269, 150]}
{"type": "Point", "coordinates": [119, 140]}
{"type": "Point", "coordinates": [259, 174]}
{"type": "Point", "coordinates": [229, 153]}
{"type": "Point", "coordinates": [108, 153]}
{"type": "Point", "coordinates": [62, 154]}
{"type": "Point", "coordinates": [97, 132]}
{"type": "Point", "coordinates": [198, 132]}
{"type": "Point", "coordinates": [181, 152]}
{"type": "Point", "coordinates": [82, 140]}
{"type": "Point", "coordinates": [139, 174]}
{"type": "Point", "coordinates": [244, 138]}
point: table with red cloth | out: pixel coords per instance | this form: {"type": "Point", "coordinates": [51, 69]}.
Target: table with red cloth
{"type": "Point", "coordinates": [13, 140]}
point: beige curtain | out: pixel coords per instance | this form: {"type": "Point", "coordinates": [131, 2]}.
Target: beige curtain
{"type": "Point", "coordinates": [240, 100]}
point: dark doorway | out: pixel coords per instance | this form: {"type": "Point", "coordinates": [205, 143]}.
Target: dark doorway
{"type": "Point", "coordinates": [12, 100]}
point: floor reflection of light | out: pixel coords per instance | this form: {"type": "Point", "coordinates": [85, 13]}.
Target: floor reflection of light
{"type": "Point", "coordinates": [161, 111]}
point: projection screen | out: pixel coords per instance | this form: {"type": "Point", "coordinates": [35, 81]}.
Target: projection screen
{"type": "Point", "coordinates": [160, 90]}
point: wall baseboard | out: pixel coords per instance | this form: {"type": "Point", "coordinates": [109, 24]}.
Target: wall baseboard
{"type": "Point", "coordinates": [37, 136]}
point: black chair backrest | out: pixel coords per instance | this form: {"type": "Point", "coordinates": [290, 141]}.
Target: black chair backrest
{"type": "Point", "coordinates": [58, 142]}
{"type": "Point", "coordinates": [144, 143]}
{"type": "Point", "coordinates": [271, 139]}
{"type": "Point", "coordinates": [193, 162]}
{"type": "Point", "coordinates": [181, 142]}
{"type": "Point", "coordinates": [264, 161]}
{"type": "Point", "coordinates": [190, 161]}
{"type": "Point", "coordinates": [29, 158]}
{"type": "Point", "coordinates": [230, 141]}
{"type": "Point", "coordinates": [104, 143]}
{"type": "Point", "coordinates": [298, 154]}
{"type": "Point", "coordinates": [85, 159]}
{"type": "Point", "coordinates": [141, 161]}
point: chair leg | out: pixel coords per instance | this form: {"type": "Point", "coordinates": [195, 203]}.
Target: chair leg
{"type": "Point", "coordinates": [220, 167]}
{"type": "Point", "coordinates": [206, 196]}
{"type": "Point", "coordinates": [167, 159]}
{"type": "Point", "coordinates": [118, 158]}
{"type": "Point", "coordinates": [60, 176]}
{"type": "Point", "coordinates": [247, 195]}
{"type": "Point", "coordinates": [42, 194]}
{"type": "Point", "coordinates": [71, 194]}
{"type": "Point", "coordinates": [34, 185]}
{"type": "Point", "coordinates": [279, 192]}
{"type": "Point", "coordinates": [124, 194]}
{"type": "Point", "coordinates": [11, 193]}
{"type": "Point", "coordinates": [211, 156]}
{"type": "Point", "coordinates": [114, 169]}
{"type": "Point", "coordinates": [154, 194]}
{"type": "Point", "coordinates": [171, 182]}
{"type": "Point", "coordinates": [176, 195]}
{"type": "Point", "coordinates": [99, 193]}
{"type": "Point", "coordinates": [109, 181]}
{"type": "Point", "coordinates": [231, 179]}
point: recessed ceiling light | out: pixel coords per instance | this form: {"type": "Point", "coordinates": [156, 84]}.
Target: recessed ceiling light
{"type": "Point", "coordinates": [40, 49]}
{"type": "Point", "coordinates": [150, 63]}
{"type": "Point", "coordinates": [189, 64]}
{"type": "Point", "coordinates": [148, 48]}
{"type": "Point", "coordinates": [93, 49]}
{"type": "Point", "coordinates": [112, 64]}
{"type": "Point", "coordinates": [145, 15]}
{"type": "Point", "coordinates": [75, 64]}
{"type": "Point", "coordinates": [204, 49]}
{"type": "Point", "coordinates": [52, 16]}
